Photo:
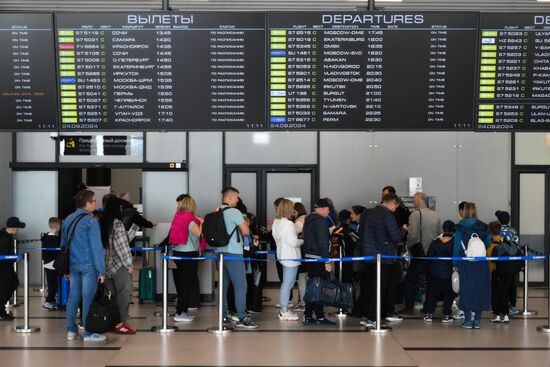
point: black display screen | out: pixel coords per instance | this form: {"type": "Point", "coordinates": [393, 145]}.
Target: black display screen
{"type": "Point", "coordinates": [375, 70]}
{"type": "Point", "coordinates": [161, 71]}
{"type": "Point", "coordinates": [27, 77]}
{"type": "Point", "coordinates": [514, 72]}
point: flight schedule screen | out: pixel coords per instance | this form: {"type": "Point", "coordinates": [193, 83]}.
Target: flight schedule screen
{"type": "Point", "coordinates": [514, 72]}
{"type": "Point", "coordinates": [167, 70]}
{"type": "Point", "coordinates": [27, 79]}
{"type": "Point", "coordinates": [376, 70]}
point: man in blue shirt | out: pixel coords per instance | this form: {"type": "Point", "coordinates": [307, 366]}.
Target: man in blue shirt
{"type": "Point", "coordinates": [86, 262]}
{"type": "Point", "coordinates": [234, 270]}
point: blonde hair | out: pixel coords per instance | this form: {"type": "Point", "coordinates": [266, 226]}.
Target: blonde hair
{"type": "Point", "coordinates": [285, 209]}
{"type": "Point", "coordinates": [470, 210]}
{"type": "Point", "coordinates": [187, 204]}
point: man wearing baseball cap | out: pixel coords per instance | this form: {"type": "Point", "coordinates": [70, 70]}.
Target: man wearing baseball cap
{"type": "Point", "coordinates": [8, 277]}
{"type": "Point", "coordinates": [316, 246]}
{"type": "Point", "coordinates": [504, 219]}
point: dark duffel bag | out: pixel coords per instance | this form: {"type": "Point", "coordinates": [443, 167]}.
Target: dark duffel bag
{"type": "Point", "coordinates": [104, 314]}
{"type": "Point", "coordinates": [322, 291]}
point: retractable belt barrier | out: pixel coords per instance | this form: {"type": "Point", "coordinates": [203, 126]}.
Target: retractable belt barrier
{"type": "Point", "coordinates": [11, 257]}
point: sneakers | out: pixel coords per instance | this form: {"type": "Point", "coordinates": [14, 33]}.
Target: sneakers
{"type": "Point", "coordinates": [459, 315]}
{"type": "Point", "coordinates": [233, 317]}
{"type": "Point", "coordinates": [500, 318]}
{"type": "Point", "coordinates": [513, 311]}
{"type": "Point", "coordinates": [428, 317]}
{"type": "Point", "coordinates": [6, 317]}
{"type": "Point", "coordinates": [496, 318]}
{"type": "Point", "coordinates": [71, 335]}
{"type": "Point", "coordinates": [300, 307]}
{"type": "Point", "coordinates": [95, 338]}
{"type": "Point", "coordinates": [446, 319]}
{"type": "Point", "coordinates": [368, 323]}
{"type": "Point", "coordinates": [393, 317]}
{"type": "Point", "coordinates": [308, 321]}
{"type": "Point", "coordinates": [246, 323]}
{"type": "Point", "coordinates": [476, 325]}
{"type": "Point", "coordinates": [325, 321]}
{"type": "Point", "coordinates": [290, 304]}
{"type": "Point", "coordinates": [50, 306]}
{"type": "Point", "coordinates": [183, 317]}
{"type": "Point", "coordinates": [288, 316]}
{"type": "Point", "coordinates": [124, 329]}
{"type": "Point", "coordinates": [467, 324]}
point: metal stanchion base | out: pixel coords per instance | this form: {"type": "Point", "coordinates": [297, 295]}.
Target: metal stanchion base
{"type": "Point", "coordinates": [13, 304]}
{"type": "Point", "coordinates": [527, 313]}
{"type": "Point", "coordinates": [159, 314]}
{"type": "Point", "coordinates": [160, 329]}
{"type": "Point", "coordinates": [223, 331]}
{"type": "Point", "coordinates": [544, 329]}
{"type": "Point", "coordinates": [41, 290]}
{"type": "Point", "coordinates": [383, 329]}
{"type": "Point", "coordinates": [21, 329]}
{"type": "Point", "coordinates": [339, 315]}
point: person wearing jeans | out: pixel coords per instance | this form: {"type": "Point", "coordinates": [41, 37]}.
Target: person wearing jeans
{"type": "Point", "coordinates": [86, 262]}
{"type": "Point", "coordinates": [288, 247]}
{"type": "Point", "coordinates": [234, 271]}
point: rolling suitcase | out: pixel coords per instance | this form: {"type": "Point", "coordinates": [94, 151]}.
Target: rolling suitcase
{"type": "Point", "coordinates": [147, 285]}
{"type": "Point", "coordinates": [63, 288]}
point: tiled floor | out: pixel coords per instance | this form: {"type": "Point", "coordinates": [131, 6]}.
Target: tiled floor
{"type": "Point", "coordinates": [411, 343]}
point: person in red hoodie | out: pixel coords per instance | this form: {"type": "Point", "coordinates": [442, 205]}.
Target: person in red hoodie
{"type": "Point", "coordinates": [185, 233]}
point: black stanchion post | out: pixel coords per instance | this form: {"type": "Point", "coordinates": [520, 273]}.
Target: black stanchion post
{"type": "Point", "coordinates": [25, 328]}
{"type": "Point", "coordinates": [546, 328]}
{"type": "Point", "coordinates": [379, 329]}
{"type": "Point", "coordinates": [340, 314]}
{"type": "Point", "coordinates": [526, 311]}
{"type": "Point", "coordinates": [221, 329]}
{"type": "Point", "coordinates": [164, 328]}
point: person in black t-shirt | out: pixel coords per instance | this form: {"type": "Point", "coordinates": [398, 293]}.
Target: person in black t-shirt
{"type": "Point", "coordinates": [8, 278]}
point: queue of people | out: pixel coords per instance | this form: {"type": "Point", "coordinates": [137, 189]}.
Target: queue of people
{"type": "Point", "coordinates": [100, 253]}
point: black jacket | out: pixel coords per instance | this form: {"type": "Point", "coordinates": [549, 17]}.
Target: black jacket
{"type": "Point", "coordinates": [131, 216]}
{"type": "Point", "coordinates": [379, 233]}
{"type": "Point", "coordinates": [50, 241]}
{"type": "Point", "coordinates": [442, 246]}
{"type": "Point", "coordinates": [8, 277]}
{"type": "Point", "coordinates": [6, 243]}
{"type": "Point", "coordinates": [316, 237]}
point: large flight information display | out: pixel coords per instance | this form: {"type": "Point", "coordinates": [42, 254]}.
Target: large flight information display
{"type": "Point", "coordinates": [166, 70]}
{"type": "Point", "coordinates": [27, 76]}
{"type": "Point", "coordinates": [376, 70]}
{"type": "Point", "coordinates": [514, 75]}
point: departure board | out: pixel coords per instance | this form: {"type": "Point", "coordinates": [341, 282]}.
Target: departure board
{"type": "Point", "coordinates": [514, 72]}
{"type": "Point", "coordinates": [375, 70]}
{"type": "Point", "coordinates": [27, 77]}
{"type": "Point", "coordinates": [161, 71]}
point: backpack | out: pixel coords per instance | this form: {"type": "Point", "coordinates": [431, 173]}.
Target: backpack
{"type": "Point", "coordinates": [214, 230]}
{"type": "Point", "coordinates": [476, 247]}
{"type": "Point", "coordinates": [512, 249]}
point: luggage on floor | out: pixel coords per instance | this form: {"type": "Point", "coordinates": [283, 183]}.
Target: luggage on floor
{"type": "Point", "coordinates": [147, 285]}
{"type": "Point", "coordinates": [63, 288]}
{"type": "Point", "coordinates": [104, 313]}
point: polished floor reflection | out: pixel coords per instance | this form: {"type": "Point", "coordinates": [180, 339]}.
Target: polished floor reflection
{"type": "Point", "coordinates": [412, 342]}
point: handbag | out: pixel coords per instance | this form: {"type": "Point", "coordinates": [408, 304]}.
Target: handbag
{"type": "Point", "coordinates": [455, 280]}
{"type": "Point", "coordinates": [104, 313]}
{"type": "Point", "coordinates": [417, 250]}
{"type": "Point", "coordinates": [320, 290]}
{"type": "Point", "coordinates": [61, 262]}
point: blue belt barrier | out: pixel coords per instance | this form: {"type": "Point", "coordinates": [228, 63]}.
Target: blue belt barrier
{"type": "Point", "coordinates": [168, 257]}
{"type": "Point", "coordinates": [259, 252]}
{"type": "Point", "coordinates": [11, 257]}
{"type": "Point", "coordinates": [143, 249]}
{"type": "Point", "coordinates": [364, 258]}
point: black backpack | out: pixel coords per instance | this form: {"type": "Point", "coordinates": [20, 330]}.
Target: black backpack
{"type": "Point", "coordinates": [104, 313]}
{"type": "Point", "coordinates": [214, 230]}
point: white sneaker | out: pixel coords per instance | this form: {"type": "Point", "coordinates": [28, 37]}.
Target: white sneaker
{"type": "Point", "coordinates": [71, 335]}
{"type": "Point", "coordinates": [183, 317]}
{"type": "Point", "coordinates": [288, 316]}
{"type": "Point", "coordinates": [95, 338]}
{"type": "Point", "coordinates": [504, 318]}
{"type": "Point", "coordinates": [49, 306]}
{"type": "Point", "coordinates": [290, 304]}
{"type": "Point", "coordinates": [459, 315]}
